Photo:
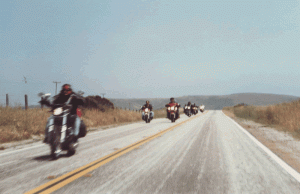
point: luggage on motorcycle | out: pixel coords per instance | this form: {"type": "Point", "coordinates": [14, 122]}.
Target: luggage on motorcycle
{"type": "Point", "coordinates": [82, 130]}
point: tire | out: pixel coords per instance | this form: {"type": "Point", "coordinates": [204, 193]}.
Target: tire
{"type": "Point", "coordinates": [54, 143]}
{"type": "Point", "coordinates": [71, 150]}
{"type": "Point", "coordinates": [146, 118]}
{"type": "Point", "coordinates": [172, 118]}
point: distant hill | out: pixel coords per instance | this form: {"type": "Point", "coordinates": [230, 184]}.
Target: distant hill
{"type": "Point", "coordinates": [211, 102]}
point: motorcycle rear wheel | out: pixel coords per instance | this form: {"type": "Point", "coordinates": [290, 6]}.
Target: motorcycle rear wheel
{"type": "Point", "coordinates": [71, 150]}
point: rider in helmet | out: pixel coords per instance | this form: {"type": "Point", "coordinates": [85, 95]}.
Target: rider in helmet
{"type": "Point", "coordinates": [192, 108]}
{"type": "Point", "coordinates": [149, 106]}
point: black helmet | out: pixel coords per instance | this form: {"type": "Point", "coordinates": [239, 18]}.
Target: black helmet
{"type": "Point", "coordinates": [147, 101]}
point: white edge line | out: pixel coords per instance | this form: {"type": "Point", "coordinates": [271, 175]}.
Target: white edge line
{"type": "Point", "coordinates": [282, 163]}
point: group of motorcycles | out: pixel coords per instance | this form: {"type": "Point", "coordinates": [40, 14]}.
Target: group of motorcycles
{"type": "Point", "coordinates": [173, 111]}
{"type": "Point", "coordinates": [61, 124]}
{"type": "Point", "coordinates": [190, 109]}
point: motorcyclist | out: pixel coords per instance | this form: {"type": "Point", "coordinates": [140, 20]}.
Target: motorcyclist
{"type": "Point", "coordinates": [188, 104]}
{"type": "Point", "coordinates": [194, 111]}
{"type": "Point", "coordinates": [149, 106]}
{"type": "Point", "coordinates": [61, 98]}
{"type": "Point", "coordinates": [192, 106]}
{"type": "Point", "coordinates": [172, 102]}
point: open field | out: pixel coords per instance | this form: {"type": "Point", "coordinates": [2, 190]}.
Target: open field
{"type": "Point", "coordinates": [18, 124]}
{"type": "Point", "coordinates": [284, 116]}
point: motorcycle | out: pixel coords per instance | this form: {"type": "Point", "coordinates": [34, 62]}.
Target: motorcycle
{"type": "Point", "coordinates": [187, 110]}
{"type": "Point", "coordinates": [172, 110]}
{"type": "Point", "coordinates": [201, 108]}
{"type": "Point", "coordinates": [147, 117]}
{"type": "Point", "coordinates": [194, 110]}
{"type": "Point", "coordinates": [61, 130]}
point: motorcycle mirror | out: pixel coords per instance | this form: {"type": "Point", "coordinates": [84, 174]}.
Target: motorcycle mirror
{"type": "Point", "coordinates": [48, 94]}
{"type": "Point", "coordinates": [80, 93]}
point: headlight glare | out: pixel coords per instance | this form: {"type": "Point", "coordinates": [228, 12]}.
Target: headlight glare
{"type": "Point", "coordinates": [57, 111]}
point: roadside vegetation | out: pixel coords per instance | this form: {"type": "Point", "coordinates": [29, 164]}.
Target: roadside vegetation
{"type": "Point", "coordinates": [19, 124]}
{"type": "Point", "coordinates": [285, 116]}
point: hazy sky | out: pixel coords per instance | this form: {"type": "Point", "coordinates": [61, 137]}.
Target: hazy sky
{"type": "Point", "coordinates": [134, 49]}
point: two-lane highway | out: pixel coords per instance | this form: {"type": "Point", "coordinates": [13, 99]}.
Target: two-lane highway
{"type": "Point", "coordinates": [207, 154]}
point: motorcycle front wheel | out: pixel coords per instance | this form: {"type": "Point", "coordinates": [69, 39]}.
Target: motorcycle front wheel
{"type": "Point", "coordinates": [172, 118]}
{"type": "Point", "coordinates": [55, 144]}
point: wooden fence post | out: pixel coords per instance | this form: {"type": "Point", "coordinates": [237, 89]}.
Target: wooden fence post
{"type": "Point", "coordinates": [26, 102]}
{"type": "Point", "coordinates": [7, 100]}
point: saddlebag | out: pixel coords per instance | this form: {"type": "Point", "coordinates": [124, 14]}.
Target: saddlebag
{"type": "Point", "coordinates": [82, 130]}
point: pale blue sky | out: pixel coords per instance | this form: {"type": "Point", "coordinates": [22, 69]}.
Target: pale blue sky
{"type": "Point", "coordinates": [133, 49]}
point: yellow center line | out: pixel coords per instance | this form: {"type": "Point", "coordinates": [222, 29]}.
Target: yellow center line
{"type": "Point", "coordinates": [63, 180]}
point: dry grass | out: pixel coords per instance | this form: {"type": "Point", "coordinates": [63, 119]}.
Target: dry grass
{"type": "Point", "coordinates": [285, 116]}
{"type": "Point", "coordinates": [17, 124]}
{"type": "Point", "coordinates": [95, 118]}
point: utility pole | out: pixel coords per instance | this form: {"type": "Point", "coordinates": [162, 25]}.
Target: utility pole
{"type": "Point", "coordinates": [103, 94]}
{"type": "Point", "coordinates": [56, 87]}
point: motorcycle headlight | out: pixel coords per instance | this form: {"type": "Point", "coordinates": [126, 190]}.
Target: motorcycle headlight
{"type": "Point", "coordinates": [169, 108]}
{"type": "Point", "coordinates": [175, 108]}
{"type": "Point", "coordinates": [188, 107]}
{"type": "Point", "coordinates": [146, 109]}
{"type": "Point", "coordinates": [172, 108]}
{"type": "Point", "coordinates": [58, 111]}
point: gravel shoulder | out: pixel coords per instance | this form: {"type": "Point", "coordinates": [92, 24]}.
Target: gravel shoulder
{"type": "Point", "coordinates": [282, 143]}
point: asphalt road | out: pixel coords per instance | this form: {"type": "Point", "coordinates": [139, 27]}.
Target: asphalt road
{"type": "Point", "coordinates": [207, 154]}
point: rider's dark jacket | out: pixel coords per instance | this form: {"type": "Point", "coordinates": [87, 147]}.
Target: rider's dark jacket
{"type": "Point", "coordinates": [75, 101]}
{"type": "Point", "coordinates": [147, 106]}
